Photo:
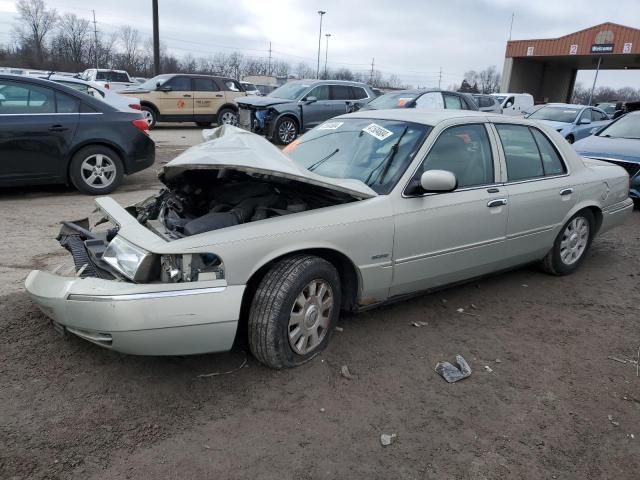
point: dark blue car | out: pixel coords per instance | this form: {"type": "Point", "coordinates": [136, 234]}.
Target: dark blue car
{"type": "Point", "coordinates": [619, 143]}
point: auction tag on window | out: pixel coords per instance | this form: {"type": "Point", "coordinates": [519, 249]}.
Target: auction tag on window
{"type": "Point", "coordinates": [330, 126]}
{"type": "Point", "coordinates": [377, 131]}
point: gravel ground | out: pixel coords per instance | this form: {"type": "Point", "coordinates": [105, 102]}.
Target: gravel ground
{"type": "Point", "coordinates": [552, 406]}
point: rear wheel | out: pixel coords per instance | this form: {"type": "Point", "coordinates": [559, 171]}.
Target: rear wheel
{"type": "Point", "coordinates": [294, 311]}
{"type": "Point", "coordinates": [150, 116]}
{"type": "Point", "coordinates": [226, 116]}
{"type": "Point", "coordinates": [286, 131]}
{"type": "Point", "coordinates": [571, 245]}
{"type": "Point", "coordinates": [96, 170]}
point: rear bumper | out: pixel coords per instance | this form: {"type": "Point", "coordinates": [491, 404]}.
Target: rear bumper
{"type": "Point", "coordinates": [152, 319]}
{"type": "Point", "coordinates": [616, 214]}
{"type": "Point", "coordinates": [142, 155]}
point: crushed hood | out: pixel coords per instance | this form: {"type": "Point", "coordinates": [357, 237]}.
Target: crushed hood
{"type": "Point", "coordinates": [229, 147]}
{"type": "Point", "coordinates": [626, 149]}
{"type": "Point", "coordinates": [255, 101]}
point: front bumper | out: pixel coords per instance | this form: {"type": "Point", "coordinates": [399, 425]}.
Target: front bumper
{"type": "Point", "coordinates": [141, 319]}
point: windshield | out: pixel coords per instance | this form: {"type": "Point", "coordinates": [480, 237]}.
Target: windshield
{"type": "Point", "coordinates": [608, 108]}
{"type": "Point", "coordinates": [289, 91]}
{"type": "Point", "coordinates": [627, 126]}
{"type": "Point", "coordinates": [112, 76]}
{"type": "Point", "coordinates": [377, 152]}
{"type": "Point", "coordinates": [556, 114]}
{"type": "Point", "coordinates": [392, 100]}
{"type": "Point", "coordinates": [152, 83]}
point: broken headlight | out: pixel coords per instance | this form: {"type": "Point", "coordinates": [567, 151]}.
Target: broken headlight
{"type": "Point", "coordinates": [130, 260]}
{"type": "Point", "coordinates": [197, 267]}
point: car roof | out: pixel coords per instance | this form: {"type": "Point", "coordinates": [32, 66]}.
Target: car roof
{"type": "Point", "coordinates": [423, 116]}
{"type": "Point", "coordinates": [313, 82]}
{"type": "Point", "coordinates": [566, 105]}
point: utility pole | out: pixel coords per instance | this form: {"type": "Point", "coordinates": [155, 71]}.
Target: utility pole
{"type": "Point", "coordinates": [326, 54]}
{"type": "Point", "coordinates": [321, 13]}
{"type": "Point", "coordinates": [595, 79]}
{"type": "Point", "coordinates": [371, 76]}
{"type": "Point", "coordinates": [440, 78]}
{"type": "Point", "coordinates": [511, 27]}
{"type": "Point", "coordinates": [156, 40]}
{"type": "Point", "coordinates": [269, 70]}
{"type": "Point", "coordinates": [95, 36]}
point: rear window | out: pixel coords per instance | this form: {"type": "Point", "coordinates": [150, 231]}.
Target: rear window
{"type": "Point", "coordinates": [112, 77]}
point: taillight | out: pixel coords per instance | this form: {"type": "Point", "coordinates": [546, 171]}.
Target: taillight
{"type": "Point", "coordinates": [142, 125]}
{"type": "Point", "coordinates": [135, 106]}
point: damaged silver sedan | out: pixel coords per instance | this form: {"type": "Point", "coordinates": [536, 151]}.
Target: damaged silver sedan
{"type": "Point", "coordinates": [364, 209]}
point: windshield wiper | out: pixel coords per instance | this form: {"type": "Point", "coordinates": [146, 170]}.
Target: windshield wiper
{"type": "Point", "coordinates": [386, 161]}
{"type": "Point", "coordinates": [322, 160]}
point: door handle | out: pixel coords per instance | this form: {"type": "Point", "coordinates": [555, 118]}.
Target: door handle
{"type": "Point", "coordinates": [493, 190]}
{"type": "Point", "coordinates": [186, 95]}
{"type": "Point", "coordinates": [218, 95]}
{"type": "Point", "coordinates": [566, 191]}
{"type": "Point", "coordinates": [498, 202]}
{"type": "Point", "coordinates": [57, 128]}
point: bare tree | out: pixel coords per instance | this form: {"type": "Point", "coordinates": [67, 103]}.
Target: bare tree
{"type": "Point", "coordinates": [71, 41]}
{"type": "Point", "coordinates": [35, 23]}
{"type": "Point", "coordinates": [129, 40]}
{"type": "Point", "coordinates": [303, 70]}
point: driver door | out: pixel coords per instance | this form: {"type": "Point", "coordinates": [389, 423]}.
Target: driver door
{"type": "Point", "coordinates": [315, 113]}
{"type": "Point", "coordinates": [442, 238]}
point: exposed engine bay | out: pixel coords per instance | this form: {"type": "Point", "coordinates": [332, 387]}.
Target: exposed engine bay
{"type": "Point", "coordinates": [203, 200]}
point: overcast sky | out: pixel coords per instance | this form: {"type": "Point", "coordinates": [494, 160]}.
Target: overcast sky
{"type": "Point", "coordinates": [411, 38]}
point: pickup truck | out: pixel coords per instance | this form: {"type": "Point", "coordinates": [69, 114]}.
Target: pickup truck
{"type": "Point", "coordinates": [107, 78]}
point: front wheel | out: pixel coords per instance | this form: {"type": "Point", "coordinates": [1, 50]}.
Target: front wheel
{"type": "Point", "coordinates": [286, 131]}
{"type": "Point", "coordinates": [294, 311]}
{"type": "Point", "coordinates": [571, 245]}
{"type": "Point", "coordinates": [226, 116]}
{"type": "Point", "coordinates": [96, 170]}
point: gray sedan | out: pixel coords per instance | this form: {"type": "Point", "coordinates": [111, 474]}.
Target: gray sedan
{"type": "Point", "coordinates": [362, 210]}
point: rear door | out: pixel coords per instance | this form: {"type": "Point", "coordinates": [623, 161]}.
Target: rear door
{"type": "Point", "coordinates": [539, 187]}
{"type": "Point", "coordinates": [178, 101]}
{"type": "Point", "coordinates": [37, 125]}
{"type": "Point", "coordinates": [207, 99]}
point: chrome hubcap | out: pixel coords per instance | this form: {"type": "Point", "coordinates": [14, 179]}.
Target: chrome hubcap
{"type": "Point", "coordinates": [148, 116]}
{"type": "Point", "coordinates": [574, 240]}
{"type": "Point", "coordinates": [98, 170]}
{"type": "Point", "coordinates": [229, 118]}
{"type": "Point", "coordinates": [287, 131]}
{"type": "Point", "coordinates": [310, 317]}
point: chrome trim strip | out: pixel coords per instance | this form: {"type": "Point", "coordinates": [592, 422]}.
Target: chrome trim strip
{"type": "Point", "coordinates": [438, 253]}
{"type": "Point", "coordinates": [48, 114]}
{"type": "Point", "coordinates": [533, 231]}
{"type": "Point", "coordinates": [142, 296]}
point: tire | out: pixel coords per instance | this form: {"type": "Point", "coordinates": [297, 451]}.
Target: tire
{"type": "Point", "coordinates": [96, 170]}
{"type": "Point", "coordinates": [286, 131]}
{"type": "Point", "coordinates": [570, 139]}
{"type": "Point", "coordinates": [150, 115]}
{"type": "Point", "coordinates": [284, 297]}
{"type": "Point", "coordinates": [227, 116]}
{"type": "Point", "coordinates": [562, 259]}
{"type": "Point", "coordinates": [203, 124]}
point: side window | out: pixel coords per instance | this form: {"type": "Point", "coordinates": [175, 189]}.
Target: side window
{"type": "Point", "coordinates": [453, 102]}
{"type": "Point", "coordinates": [430, 100]}
{"type": "Point", "coordinates": [466, 152]}
{"type": "Point", "coordinates": [179, 84]}
{"type": "Point", "coordinates": [321, 92]}
{"type": "Point", "coordinates": [597, 116]}
{"type": "Point", "coordinates": [358, 93]}
{"type": "Point", "coordinates": [233, 85]}
{"type": "Point", "coordinates": [509, 103]}
{"type": "Point", "coordinates": [521, 152]}
{"type": "Point", "coordinates": [340, 92]}
{"type": "Point", "coordinates": [66, 104]}
{"type": "Point", "coordinates": [204, 85]}
{"type": "Point", "coordinates": [551, 162]}
{"type": "Point", "coordinates": [16, 98]}
{"type": "Point", "coordinates": [586, 114]}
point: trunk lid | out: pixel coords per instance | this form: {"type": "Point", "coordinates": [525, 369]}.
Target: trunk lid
{"type": "Point", "coordinates": [231, 148]}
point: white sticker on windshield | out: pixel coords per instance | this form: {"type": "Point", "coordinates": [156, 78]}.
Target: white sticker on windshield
{"type": "Point", "coordinates": [377, 131]}
{"type": "Point", "coordinates": [330, 126]}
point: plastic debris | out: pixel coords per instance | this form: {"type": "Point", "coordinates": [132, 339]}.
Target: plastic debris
{"type": "Point", "coordinates": [525, 285]}
{"type": "Point", "coordinates": [613, 422]}
{"type": "Point", "coordinates": [420, 324]}
{"type": "Point", "coordinates": [451, 373]}
{"type": "Point", "coordinates": [474, 307]}
{"type": "Point", "coordinates": [488, 368]}
{"type": "Point", "coordinates": [611, 357]}
{"type": "Point", "coordinates": [386, 439]}
{"type": "Point", "coordinates": [346, 373]}
{"type": "Point", "coordinates": [339, 329]}
{"type": "Point", "coordinates": [460, 310]}
{"type": "Point", "coordinates": [498, 360]}
{"type": "Point", "coordinates": [322, 410]}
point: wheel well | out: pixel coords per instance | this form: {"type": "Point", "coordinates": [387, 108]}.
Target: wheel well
{"type": "Point", "coordinates": [227, 106]}
{"type": "Point", "coordinates": [292, 117]}
{"type": "Point", "coordinates": [115, 148]}
{"type": "Point", "coordinates": [349, 278]}
{"type": "Point", "coordinates": [144, 103]}
{"type": "Point", "coordinates": [597, 215]}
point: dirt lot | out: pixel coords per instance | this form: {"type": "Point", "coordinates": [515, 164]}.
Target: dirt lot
{"type": "Point", "coordinates": [72, 410]}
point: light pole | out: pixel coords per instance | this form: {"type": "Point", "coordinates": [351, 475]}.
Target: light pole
{"type": "Point", "coordinates": [326, 54]}
{"type": "Point", "coordinates": [321, 13]}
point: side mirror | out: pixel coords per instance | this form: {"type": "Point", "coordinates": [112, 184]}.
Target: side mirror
{"type": "Point", "coordinates": [585, 121]}
{"type": "Point", "coordinates": [593, 130]}
{"type": "Point", "coordinates": [309, 100]}
{"type": "Point", "coordinates": [162, 88]}
{"type": "Point", "coordinates": [438, 181]}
